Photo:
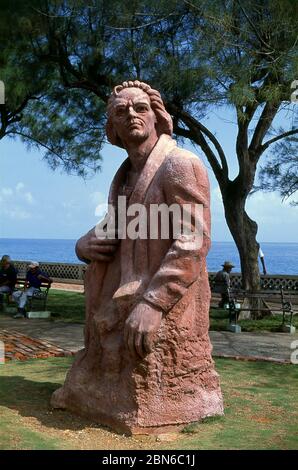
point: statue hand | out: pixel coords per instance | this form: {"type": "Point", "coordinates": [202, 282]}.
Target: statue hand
{"type": "Point", "coordinates": [96, 249]}
{"type": "Point", "coordinates": [140, 327]}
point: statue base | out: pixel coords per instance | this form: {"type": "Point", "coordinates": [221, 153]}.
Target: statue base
{"type": "Point", "coordinates": [136, 406]}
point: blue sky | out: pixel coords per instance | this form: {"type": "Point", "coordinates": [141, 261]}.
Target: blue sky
{"type": "Point", "coordinates": [36, 202]}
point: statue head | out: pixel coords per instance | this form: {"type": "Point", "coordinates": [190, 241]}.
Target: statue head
{"type": "Point", "coordinates": [164, 123]}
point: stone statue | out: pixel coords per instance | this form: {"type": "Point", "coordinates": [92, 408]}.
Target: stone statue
{"type": "Point", "coordinates": [147, 364]}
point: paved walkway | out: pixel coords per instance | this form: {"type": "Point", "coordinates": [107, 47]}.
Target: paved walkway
{"type": "Point", "coordinates": [275, 347]}
{"type": "Point", "coordinates": [22, 347]}
{"type": "Point", "coordinates": [68, 336]}
{"type": "Point", "coordinates": [68, 287]}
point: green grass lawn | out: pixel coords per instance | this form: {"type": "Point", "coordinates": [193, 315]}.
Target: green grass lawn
{"type": "Point", "coordinates": [70, 307]}
{"type": "Point", "coordinates": [260, 399]}
{"type": "Point", "coordinates": [66, 306]}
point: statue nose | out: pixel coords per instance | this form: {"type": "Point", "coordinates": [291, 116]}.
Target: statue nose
{"type": "Point", "coordinates": [131, 111]}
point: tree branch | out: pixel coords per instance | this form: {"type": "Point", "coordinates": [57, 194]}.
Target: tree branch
{"type": "Point", "coordinates": [242, 135]}
{"type": "Point", "coordinates": [145, 25]}
{"type": "Point", "coordinates": [4, 120]}
{"type": "Point", "coordinates": [59, 55]}
{"type": "Point", "coordinates": [254, 28]}
{"type": "Point", "coordinates": [38, 142]}
{"type": "Point", "coordinates": [264, 123]}
{"type": "Point", "coordinates": [279, 137]}
{"type": "Point", "coordinates": [198, 131]}
{"type": "Point", "coordinates": [182, 132]}
{"type": "Point", "coordinates": [24, 103]}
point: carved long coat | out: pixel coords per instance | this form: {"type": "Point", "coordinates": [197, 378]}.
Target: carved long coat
{"type": "Point", "coordinates": [176, 383]}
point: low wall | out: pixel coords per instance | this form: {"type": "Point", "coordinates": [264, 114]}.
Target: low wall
{"type": "Point", "coordinates": [60, 272]}
{"type": "Point", "coordinates": [74, 274]}
{"type": "Point", "coordinates": [268, 282]}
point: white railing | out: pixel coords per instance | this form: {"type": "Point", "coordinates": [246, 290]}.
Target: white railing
{"type": "Point", "coordinates": [74, 274]}
{"type": "Point", "coordinates": [60, 272]}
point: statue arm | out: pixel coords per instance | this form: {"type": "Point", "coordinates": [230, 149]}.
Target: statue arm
{"type": "Point", "coordinates": [186, 182]}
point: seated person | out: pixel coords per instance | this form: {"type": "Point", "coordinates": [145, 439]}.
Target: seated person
{"type": "Point", "coordinates": [8, 277]}
{"type": "Point", "coordinates": [34, 278]}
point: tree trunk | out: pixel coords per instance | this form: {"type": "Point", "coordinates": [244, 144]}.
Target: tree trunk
{"type": "Point", "coordinates": [235, 193]}
{"type": "Point", "coordinates": [244, 231]}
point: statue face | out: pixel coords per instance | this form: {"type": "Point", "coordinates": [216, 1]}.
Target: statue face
{"type": "Point", "coordinates": [133, 118]}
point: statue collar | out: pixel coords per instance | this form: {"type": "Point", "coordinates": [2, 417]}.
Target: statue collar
{"type": "Point", "coordinates": [163, 147]}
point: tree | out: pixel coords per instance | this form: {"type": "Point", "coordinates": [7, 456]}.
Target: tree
{"type": "Point", "coordinates": [42, 112]}
{"type": "Point", "coordinates": [11, 111]}
{"type": "Point", "coordinates": [201, 56]}
{"type": "Point", "coordinates": [20, 86]}
{"type": "Point", "coordinates": [281, 171]}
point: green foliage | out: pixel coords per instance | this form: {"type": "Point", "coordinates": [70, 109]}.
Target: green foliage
{"type": "Point", "coordinates": [280, 173]}
{"type": "Point", "coordinates": [68, 123]}
{"type": "Point", "coordinates": [60, 60]}
{"type": "Point", "coordinates": [241, 94]}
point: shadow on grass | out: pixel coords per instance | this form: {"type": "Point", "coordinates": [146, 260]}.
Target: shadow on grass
{"type": "Point", "coordinates": [32, 399]}
{"type": "Point", "coordinates": [253, 391]}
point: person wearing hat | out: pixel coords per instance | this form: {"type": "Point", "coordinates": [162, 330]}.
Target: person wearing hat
{"type": "Point", "coordinates": [222, 283]}
{"type": "Point", "coordinates": [34, 278]}
{"type": "Point", "coordinates": [8, 277]}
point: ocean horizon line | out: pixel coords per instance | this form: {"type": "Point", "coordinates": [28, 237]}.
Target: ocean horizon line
{"type": "Point", "coordinates": [280, 257]}
{"type": "Point", "coordinates": [74, 239]}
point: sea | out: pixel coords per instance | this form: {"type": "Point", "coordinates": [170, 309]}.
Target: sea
{"type": "Point", "coordinates": [280, 258]}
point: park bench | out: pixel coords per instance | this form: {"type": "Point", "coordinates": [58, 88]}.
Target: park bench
{"type": "Point", "coordinates": [264, 302]}
{"type": "Point", "coordinates": [36, 303]}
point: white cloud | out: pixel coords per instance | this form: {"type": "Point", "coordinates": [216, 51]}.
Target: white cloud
{"type": "Point", "coordinates": [16, 195]}
{"type": "Point", "coordinates": [101, 210]}
{"type": "Point", "coordinates": [6, 192]}
{"type": "Point", "coordinates": [19, 187]}
{"type": "Point", "coordinates": [71, 204]}
{"type": "Point", "coordinates": [29, 198]}
{"type": "Point", "coordinates": [17, 213]}
{"type": "Point", "coordinates": [277, 220]}
{"type": "Point", "coordinates": [97, 197]}
{"type": "Point", "coordinates": [14, 203]}
{"type": "Point", "coordinates": [100, 201]}
{"type": "Point", "coordinates": [68, 205]}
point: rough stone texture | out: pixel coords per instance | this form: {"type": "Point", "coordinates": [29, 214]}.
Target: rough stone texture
{"type": "Point", "coordinates": [176, 383]}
